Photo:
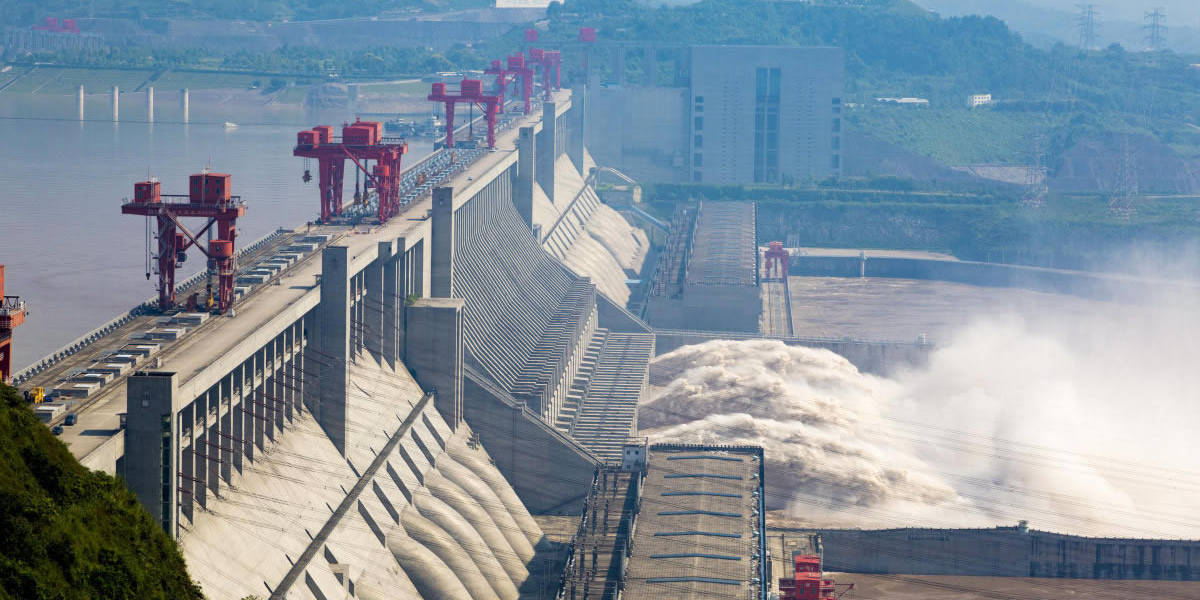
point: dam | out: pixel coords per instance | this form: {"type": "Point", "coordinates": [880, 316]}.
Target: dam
{"type": "Point", "coordinates": [382, 410]}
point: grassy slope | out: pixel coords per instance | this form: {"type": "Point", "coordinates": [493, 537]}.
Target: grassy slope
{"type": "Point", "coordinates": [957, 136]}
{"type": "Point", "coordinates": [67, 532]}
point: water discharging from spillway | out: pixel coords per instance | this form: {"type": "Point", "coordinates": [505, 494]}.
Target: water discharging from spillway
{"type": "Point", "coordinates": [1079, 425]}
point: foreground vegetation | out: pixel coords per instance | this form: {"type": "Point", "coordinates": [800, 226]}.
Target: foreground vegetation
{"type": "Point", "coordinates": [71, 533]}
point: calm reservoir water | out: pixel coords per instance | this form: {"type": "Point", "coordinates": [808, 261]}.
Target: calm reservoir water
{"type": "Point", "coordinates": [71, 254]}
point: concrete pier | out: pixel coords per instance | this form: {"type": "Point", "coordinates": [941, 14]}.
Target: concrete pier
{"type": "Point", "coordinates": [79, 101]}
{"type": "Point", "coordinates": [151, 425]}
{"type": "Point", "coordinates": [333, 344]}
{"type": "Point", "coordinates": [116, 104]}
{"type": "Point", "coordinates": [442, 255]}
{"type": "Point", "coordinates": [547, 150]}
{"type": "Point", "coordinates": [184, 101]}
{"type": "Point", "coordinates": [435, 352]}
{"type": "Point", "coordinates": [577, 143]}
{"type": "Point", "coordinates": [150, 104]}
{"type": "Point", "coordinates": [526, 159]}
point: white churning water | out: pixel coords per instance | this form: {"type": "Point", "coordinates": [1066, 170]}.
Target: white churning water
{"type": "Point", "coordinates": [1080, 425]}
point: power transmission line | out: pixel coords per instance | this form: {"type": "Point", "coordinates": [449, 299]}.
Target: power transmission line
{"type": "Point", "coordinates": [1087, 26]}
{"type": "Point", "coordinates": [1156, 29]}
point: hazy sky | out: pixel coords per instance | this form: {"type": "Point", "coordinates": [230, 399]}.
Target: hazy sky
{"type": "Point", "coordinates": [1179, 12]}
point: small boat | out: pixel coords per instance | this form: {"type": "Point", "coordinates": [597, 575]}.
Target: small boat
{"type": "Point", "coordinates": [230, 125]}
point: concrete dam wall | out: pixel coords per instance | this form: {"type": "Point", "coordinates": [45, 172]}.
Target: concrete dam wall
{"type": "Point", "coordinates": [1007, 552]}
{"type": "Point", "coordinates": [1097, 286]}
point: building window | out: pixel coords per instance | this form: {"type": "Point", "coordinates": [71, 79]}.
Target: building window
{"type": "Point", "coordinates": [697, 160]}
{"type": "Point", "coordinates": [766, 124]}
{"type": "Point", "coordinates": [837, 142]}
{"type": "Point", "coordinates": [699, 108]}
{"type": "Point", "coordinates": [696, 176]}
{"type": "Point", "coordinates": [837, 163]}
{"type": "Point", "coordinates": [698, 142]}
{"type": "Point", "coordinates": [699, 123]}
{"type": "Point", "coordinates": [837, 100]}
{"type": "Point", "coordinates": [699, 99]}
{"type": "Point", "coordinates": [837, 125]}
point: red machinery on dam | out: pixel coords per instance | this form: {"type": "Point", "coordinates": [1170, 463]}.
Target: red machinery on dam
{"type": "Point", "coordinates": [776, 261]}
{"type": "Point", "coordinates": [807, 581]}
{"type": "Point", "coordinates": [208, 197]}
{"type": "Point", "coordinates": [470, 92]}
{"type": "Point", "coordinates": [550, 63]}
{"type": "Point", "coordinates": [518, 68]}
{"type": "Point", "coordinates": [12, 315]}
{"type": "Point", "coordinates": [361, 142]}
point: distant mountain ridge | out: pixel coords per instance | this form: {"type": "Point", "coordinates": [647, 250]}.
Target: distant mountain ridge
{"type": "Point", "coordinates": [1044, 25]}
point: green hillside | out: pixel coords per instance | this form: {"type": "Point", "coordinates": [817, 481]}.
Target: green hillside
{"type": "Point", "coordinates": [894, 48]}
{"type": "Point", "coordinates": [70, 533]}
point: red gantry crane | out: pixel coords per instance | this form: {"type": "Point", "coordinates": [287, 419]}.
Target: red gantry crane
{"type": "Point", "coordinates": [518, 68]}
{"type": "Point", "coordinates": [776, 258]}
{"type": "Point", "coordinates": [12, 315]}
{"type": "Point", "coordinates": [470, 93]}
{"type": "Point", "coordinates": [361, 142]}
{"type": "Point", "coordinates": [550, 62]}
{"type": "Point", "coordinates": [209, 198]}
{"type": "Point", "coordinates": [502, 76]}
{"type": "Point", "coordinates": [807, 582]}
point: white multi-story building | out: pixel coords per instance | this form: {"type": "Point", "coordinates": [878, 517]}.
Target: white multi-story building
{"type": "Point", "coordinates": [977, 100]}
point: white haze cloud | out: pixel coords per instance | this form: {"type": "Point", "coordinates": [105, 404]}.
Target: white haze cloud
{"type": "Point", "coordinates": [1079, 424]}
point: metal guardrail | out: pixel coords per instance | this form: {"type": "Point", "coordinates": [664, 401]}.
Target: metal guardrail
{"type": "Point", "coordinates": [82, 342]}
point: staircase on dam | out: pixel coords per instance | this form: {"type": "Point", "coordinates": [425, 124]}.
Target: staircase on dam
{"type": "Point", "coordinates": [607, 415]}
{"type": "Point", "coordinates": [570, 409]}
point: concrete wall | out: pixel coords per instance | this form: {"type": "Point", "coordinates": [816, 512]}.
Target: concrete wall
{"type": "Point", "coordinates": [1077, 283]}
{"type": "Point", "coordinates": [724, 99]}
{"type": "Point", "coordinates": [707, 308]}
{"type": "Point", "coordinates": [640, 131]}
{"type": "Point", "coordinates": [548, 470]}
{"type": "Point", "coordinates": [1007, 552]}
{"type": "Point", "coordinates": [879, 358]}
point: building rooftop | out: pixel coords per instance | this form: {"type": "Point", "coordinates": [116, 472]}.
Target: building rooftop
{"type": "Point", "coordinates": [699, 531]}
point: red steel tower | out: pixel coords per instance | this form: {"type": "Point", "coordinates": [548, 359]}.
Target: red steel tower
{"type": "Point", "coordinates": [776, 259]}
{"type": "Point", "coordinates": [587, 37]}
{"type": "Point", "coordinates": [471, 93]}
{"type": "Point", "coordinates": [518, 68]}
{"type": "Point", "coordinates": [361, 141]}
{"type": "Point", "coordinates": [12, 315]}
{"type": "Point", "coordinates": [209, 198]}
